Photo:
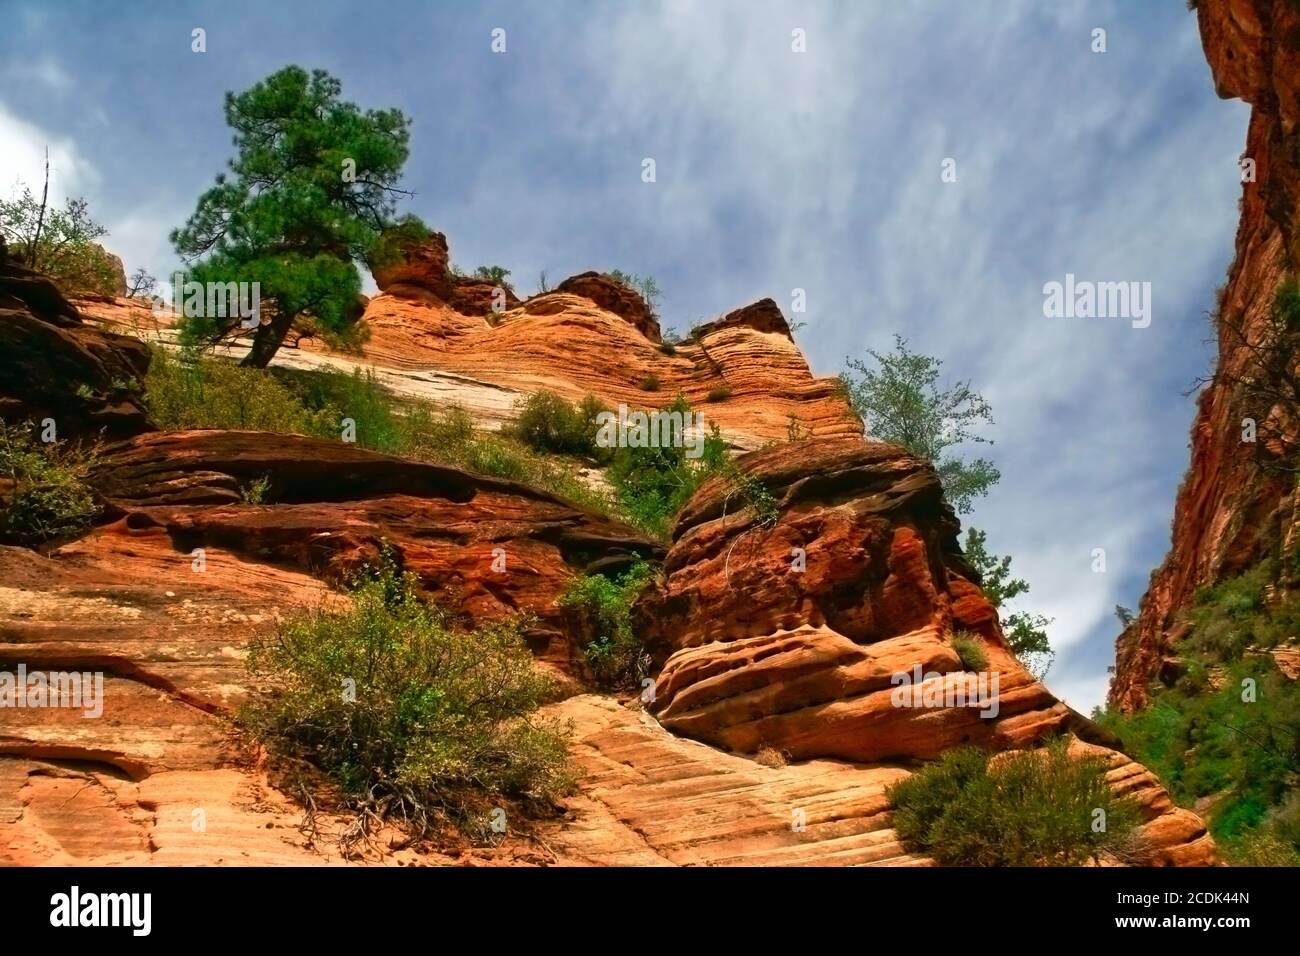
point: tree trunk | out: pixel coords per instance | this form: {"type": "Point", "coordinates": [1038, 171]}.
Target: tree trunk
{"type": "Point", "coordinates": [267, 340]}
{"type": "Point", "coordinates": [40, 220]}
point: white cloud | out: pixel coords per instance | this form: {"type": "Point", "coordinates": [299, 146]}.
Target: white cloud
{"type": "Point", "coordinates": [23, 160]}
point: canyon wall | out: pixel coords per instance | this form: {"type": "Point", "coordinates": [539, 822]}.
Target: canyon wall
{"type": "Point", "coordinates": [1231, 511]}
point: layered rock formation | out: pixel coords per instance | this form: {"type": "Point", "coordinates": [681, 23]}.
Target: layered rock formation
{"type": "Point", "coordinates": [164, 596]}
{"type": "Point", "coordinates": [649, 798]}
{"type": "Point", "coordinates": [54, 365]}
{"type": "Point", "coordinates": [420, 269]}
{"type": "Point", "coordinates": [828, 630]}
{"type": "Point", "coordinates": [484, 546]}
{"type": "Point", "coordinates": [1231, 511]}
{"type": "Point", "coordinates": [744, 372]}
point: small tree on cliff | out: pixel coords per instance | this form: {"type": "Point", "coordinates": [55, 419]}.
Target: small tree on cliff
{"type": "Point", "coordinates": [900, 401]}
{"type": "Point", "coordinates": [1025, 632]}
{"type": "Point", "coordinates": [311, 188]}
{"type": "Point", "coordinates": [58, 242]}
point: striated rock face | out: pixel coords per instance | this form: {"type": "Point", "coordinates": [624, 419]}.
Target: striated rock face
{"type": "Point", "coordinates": [170, 638]}
{"type": "Point", "coordinates": [747, 376]}
{"type": "Point", "coordinates": [1230, 512]}
{"type": "Point", "coordinates": [47, 351]}
{"type": "Point", "coordinates": [331, 507]}
{"type": "Point", "coordinates": [436, 337]}
{"type": "Point", "coordinates": [796, 635]}
{"type": "Point", "coordinates": [762, 316]}
{"type": "Point", "coordinates": [649, 798]}
{"type": "Point", "coordinates": [614, 297]}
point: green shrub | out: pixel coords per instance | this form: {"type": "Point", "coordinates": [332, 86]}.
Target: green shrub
{"type": "Point", "coordinates": [1030, 808]}
{"type": "Point", "coordinates": [1203, 742]}
{"type": "Point", "coordinates": [1264, 848]}
{"type": "Point", "coordinates": [720, 393]}
{"type": "Point", "coordinates": [254, 493]}
{"type": "Point", "coordinates": [548, 423]}
{"type": "Point", "coordinates": [1286, 305]}
{"type": "Point", "coordinates": [971, 650]}
{"type": "Point", "coordinates": [43, 494]}
{"type": "Point", "coordinates": [194, 391]}
{"type": "Point", "coordinates": [650, 383]}
{"type": "Point", "coordinates": [1205, 737]}
{"type": "Point", "coordinates": [417, 720]}
{"type": "Point", "coordinates": [330, 396]}
{"type": "Point", "coordinates": [652, 484]}
{"type": "Point", "coordinates": [600, 608]}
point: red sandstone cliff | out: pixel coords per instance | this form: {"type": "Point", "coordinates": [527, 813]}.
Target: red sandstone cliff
{"type": "Point", "coordinates": [1231, 511]}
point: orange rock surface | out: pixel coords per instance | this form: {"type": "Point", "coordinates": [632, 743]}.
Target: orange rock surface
{"type": "Point", "coordinates": [803, 634]}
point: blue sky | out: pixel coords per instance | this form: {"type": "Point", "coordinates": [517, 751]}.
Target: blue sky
{"type": "Point", "coordinates": [775, 170]}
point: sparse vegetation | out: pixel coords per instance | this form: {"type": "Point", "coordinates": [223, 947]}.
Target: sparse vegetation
{"type": "Point", "coordinates": [650, 383]}
{"type": "Point", "coordinates": [43, 494]}
{"type": "Point", "coordinates": [417, 720]}
{"type": "Point", "coordinates": [190, 391]}
{"type": "Point", "coordinates": [1228, 731]}
{"type": "Point", "coordinates": [497, 275]}
{"type": "Point", "coordinates": [720, 393]}
{"type": "Point", "coordinates": [141, 284]}
{"type": "Point", "coordinates": [652, 484]}
{"type": "Point", "coordinates": [1028, 808]}
{"type": "Point", "coordinates": [59, 242]}
{"type": "Point", "coordinates": [254, 493]}
{"type": "Point", "coordinates": [548, 423]}
{"type": "Point", "coordinates": [194, 391]}
{"type": "Point", "coordinates": [971, 650]}
{"type": "Point", "coordinates": [1265, 385]}
{"type": "Point", "coordinates": [646, 287]}
{"type": "Point", "coordinates": [900, 401]}
{"type": "Point", "coordinates": [649, 485]}
{"type": "Point", "coordinates": [1025, 632]}
{"type": "Point", "coordinates": [771, 757]}
{"type": "Point", "coordinates": [601, 608]}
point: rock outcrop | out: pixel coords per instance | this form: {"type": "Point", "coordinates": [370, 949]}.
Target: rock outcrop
{"type": "Point", "coordinates": [1230, 510]}
{"type": "Point", "coordinates": [613, 296]}
{"type": "Point", "coordinates": [746, 376]}
{"type": "Point", "coordinates": [420, 269]}
{"type": "Point", "coordinates": [163, 597]}
{"type": "Point", "coordinates": [484, 546]}
{"type": "Point", "coordinates": [649, 798]}
{"type": "Point", "coordinates": [809, 632]}
{"type": "Point", "coordinates": [54, 365]}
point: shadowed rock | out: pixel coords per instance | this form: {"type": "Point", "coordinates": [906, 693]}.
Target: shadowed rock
{"type": "Point", "coordinates": [53, 365]}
